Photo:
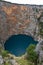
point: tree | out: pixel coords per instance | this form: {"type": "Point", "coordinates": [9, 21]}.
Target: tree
{"type": "Point", "coordinates": [31, 54]}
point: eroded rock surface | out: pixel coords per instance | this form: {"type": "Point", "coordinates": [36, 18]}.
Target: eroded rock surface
{"type": "Point", "coordinates": [18, 19]}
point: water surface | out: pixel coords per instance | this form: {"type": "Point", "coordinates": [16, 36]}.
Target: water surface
{"type": "Point", "coordinates": [17, 44]}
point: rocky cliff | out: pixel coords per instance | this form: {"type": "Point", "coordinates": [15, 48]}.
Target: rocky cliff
{"type": "Point", "coordinates": [19, 19]}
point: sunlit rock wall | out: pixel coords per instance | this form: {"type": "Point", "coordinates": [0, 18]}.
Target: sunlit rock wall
{"type": "Point", "coordinates": [18, 19]}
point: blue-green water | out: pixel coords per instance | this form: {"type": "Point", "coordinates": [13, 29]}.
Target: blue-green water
{"type": "Point", "coordinates": [17, 44]}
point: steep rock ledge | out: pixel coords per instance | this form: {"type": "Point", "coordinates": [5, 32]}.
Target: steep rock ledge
{"type": "Point", "coordinates": [19, 19]}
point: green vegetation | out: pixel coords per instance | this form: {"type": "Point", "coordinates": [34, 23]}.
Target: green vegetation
{"type": "Point", "coordinates": [29, 59]}
{"type": "Point", "coordinates": [24, 62]}
{"type": "Point", "coordinates": [31, 54]}
{"type": "Point", "coordinates": [7, 63]}
{"type": "Point", "coordinates": [41, 28]}
{"type": "Point", "coordinates": [4, 53]}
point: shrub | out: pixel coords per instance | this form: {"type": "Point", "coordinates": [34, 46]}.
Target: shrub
{"type": "Point", "coordinates": [31, 54]}
{"type": "Point", "coordinates": [4, 53]}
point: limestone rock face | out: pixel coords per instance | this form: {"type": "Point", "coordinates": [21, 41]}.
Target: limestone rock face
{"type": "Point", "coordinates": [18, 19]}
{"type": "Point", "coordinates": [1, 60]}
{"type": "Point", "coordinates": [39, 50]}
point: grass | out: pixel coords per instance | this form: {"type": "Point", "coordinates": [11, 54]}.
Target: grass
{"type": "Point", "coordinates": [7, 63]}
{"type": "Point", "coordinates": [4, 53]}
{"type": "Point", "coordinates": [24, 62]}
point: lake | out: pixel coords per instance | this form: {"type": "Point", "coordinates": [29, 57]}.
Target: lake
{"type": "Point", "coordinates": [17, 44]}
